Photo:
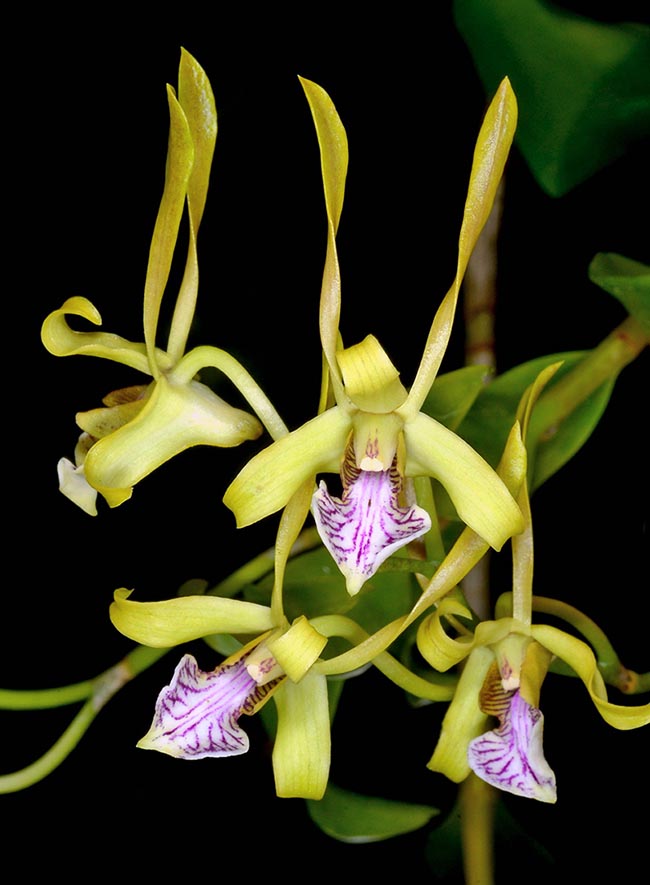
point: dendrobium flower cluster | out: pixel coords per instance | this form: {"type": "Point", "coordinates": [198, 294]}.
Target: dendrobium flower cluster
{"type": "Point", "coordinates": [378, 436]}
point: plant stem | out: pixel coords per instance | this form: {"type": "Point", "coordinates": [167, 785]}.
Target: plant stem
{"type": "Point", "coordinates": [477, 807]}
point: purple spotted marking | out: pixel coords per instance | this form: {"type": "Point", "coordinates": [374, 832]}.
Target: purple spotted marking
{"type": "Point", "coordinates": [197, 714]}
{"type": "Point", "coordinates": [511, 756]}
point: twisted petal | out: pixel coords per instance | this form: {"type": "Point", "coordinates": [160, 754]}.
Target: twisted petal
{"type": "Point", "coordinates": [580, 657]}
{"type": "Point", "coordinates": [174, 418]}
{"type": "Point", "coordinates": [333, 144]}
{"type": "Point", "coordinates": [511, 756]}
{"type": "Point", "coordinates": [481, 498]}
{"type": "Point", "coordinates": [490, 155]}
{"type": "Point", "coordinates": [60, 340]}
{"type": "Point", "coordinates": [197, 714]}
{"type": "Point", "coordinates": [363, 528]}
{"type": "Point", "coordinates": [269, 479]}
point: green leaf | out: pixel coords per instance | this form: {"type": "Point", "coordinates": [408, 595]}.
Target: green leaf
{"type": "Point", "coordinates": [351, 817]}
{"type": "Point", "coordinates": [489, 421]}
{"type": "Point", "coordinates": [313, 586]}
{"type": "Point", "coordinates": [452, 394]}
{"type": "Point", "coordinates": [582, 86]}
{"type": "Point", "coordinates": [626, 280]}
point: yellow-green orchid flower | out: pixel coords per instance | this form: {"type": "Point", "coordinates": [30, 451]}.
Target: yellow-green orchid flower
{"type": "Point", "coordinates": [505, 663]}
{"type": "Point", "coordinates": [197, 714]}
{"type": "Point", "coordinates": [144, 426]}
{"type": "Point", "coordinates": [374, 432]}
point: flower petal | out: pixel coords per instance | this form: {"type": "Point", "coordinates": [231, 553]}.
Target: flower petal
{"type": "Point", "coordinates": [511, 756]}
{"type": "Point", "coordinates": [364, 527]}
{"type": "Point", "coordinates": [197, 713]}
{"type": "Point", "coordinates": [60, 340]}
{"type": "Point", "coordinates": [490, 155]}
{"type": "Point", "coordinates": [479, 495]}
{"type": "Point", "coordinates": [269, 479]}
{"type": "Point", "coordinates": [174, 418]}
{"type": "Point", "coordinates": [464, 719]}
{"type": "Point", "coordinates": [173, 621]}
{"type": "Point", "coordinates": [302, 748]}
{"type": "Point", "coordinates": [333, 144]}
{"type": "Point", "coordinates": [74, 485]}
{"type": "Point", "coordinates": [180, 158]}
{"type": "Point", "coordinates": [578, 655]}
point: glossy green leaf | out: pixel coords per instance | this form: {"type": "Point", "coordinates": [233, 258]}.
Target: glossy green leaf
{"type": "Point", "coordinates": [582, 85]}
{"type": "Point", "coordinates": [314, 586]}
{"type": "Point", "coordinates": [453, 393]}
{"type": "Point", "coordinates": [627, 280]}
{"type": "Point", "coordinates": [351, 817]}
{"type": "Point", "coordinates": [488, 422]}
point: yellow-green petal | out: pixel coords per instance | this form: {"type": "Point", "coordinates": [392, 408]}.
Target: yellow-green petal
{"type": "Point", "coordinates": [197, 101]}
{"type": "Point", "coordinates": [464, 719]}
{"type": "Point", "coordinates": [59, 339]}
{"type": "Point", "coordinates": [180, 158]}
{"type": "Point", "coordinates": [174, 418]}
{"type": "Point", "coordinates": [481, 498]}
{"type": "Point", "coordinates": [490, 155]}
{"type": "Point", "coordinates": [297, 648]}
{"type": "Point", "coordinates": [579, 656]}
{"type": "Point", "coordinates": [434, 643]}
{"type": "Point", "coordinates": [333, 143]}
{"type": "Point", "coordinates": [302, 748]}
{"type": "Point", "coordinates": [371, 380]}
{"type": "Point", "coordinates": [174, 621]}
{"type": "Point", "coordinates": [268, 481]}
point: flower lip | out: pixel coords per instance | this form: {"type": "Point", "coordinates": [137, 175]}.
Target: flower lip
{"type": "Point", "coordinates": [197, 714]}
{"type": "Point", "coordinates": [511, 756]}
{"type": "Point", "coordinates": [367, 524]}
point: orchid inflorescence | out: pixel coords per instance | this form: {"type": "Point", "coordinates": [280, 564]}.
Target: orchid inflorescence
{"type": "Point", "coordinates": [401, 462]}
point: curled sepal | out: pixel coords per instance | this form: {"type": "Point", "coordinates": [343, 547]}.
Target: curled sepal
{"type": "Point", "coordinates": [368, 523]}
{"type": "Point", "coordinates": [174, 621]}
{"type": "Point", "coordinates": [59, 339]}
{"type": "Point", "coordinates": [302, 748]}
{"type": "Point", "coordinates": [197, 714]}
{"type": "Point", "coordinates": [174, 418]}
{"type": "Point", "coordinates": [434, 643]}
{"type": "Point", "coordinates": [511, 757]}
{"type": "Point", "coordinates": [578, 655]}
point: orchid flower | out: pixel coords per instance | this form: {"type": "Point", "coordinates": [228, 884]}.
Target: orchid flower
{"type": "Point", "coordinates": [505, 663]}
{"type": "Point", "coordinates": [143, 426]}
{"type": "Point", "coordinates": [197, 714]}
{"type": "Point", "coordinates": [375, 433]}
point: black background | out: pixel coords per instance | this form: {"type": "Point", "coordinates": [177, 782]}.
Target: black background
{"type": "Point", "coordinates": [85, 142]}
